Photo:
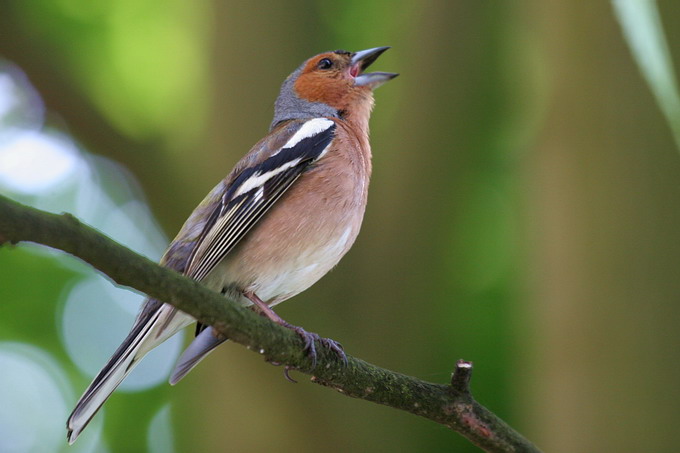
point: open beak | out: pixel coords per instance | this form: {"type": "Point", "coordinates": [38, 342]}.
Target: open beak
{"type": "Point", "coordinates": [362, 60]}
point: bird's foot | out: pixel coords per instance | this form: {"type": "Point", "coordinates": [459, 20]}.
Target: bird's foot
{"type": "Point", "coordinates": [286, 370]}
{"type": "Point", "coordinates": [310, 339]}
{"type": "Point", "coordinates": [336, 348]}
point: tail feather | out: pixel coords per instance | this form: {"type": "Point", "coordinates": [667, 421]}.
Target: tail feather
{"type": "Point", "coordinates": [205, 341]}
{"type": "Point", "coordinates": [146, 334]}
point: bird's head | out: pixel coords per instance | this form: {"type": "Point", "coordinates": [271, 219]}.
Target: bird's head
{"type": "Point", "coordinates": [331, 84]}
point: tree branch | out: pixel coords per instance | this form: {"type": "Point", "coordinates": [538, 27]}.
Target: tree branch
{"type": "Point", "coordinates": [450, 405]}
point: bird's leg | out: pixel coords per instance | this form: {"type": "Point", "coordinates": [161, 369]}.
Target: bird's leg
{"type": "Point", "coordinates": [264, 308]}
{"type": "Point", "coordinates": [308, 337]}
{"type": "Point", "coordinates": [271, 314]}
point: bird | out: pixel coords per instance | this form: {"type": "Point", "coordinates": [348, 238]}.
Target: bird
{"type": "Point", "coordinates": [284, 216]}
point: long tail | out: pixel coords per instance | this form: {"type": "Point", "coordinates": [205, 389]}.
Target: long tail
{"type": "Point", "coordinates": [150, 330]}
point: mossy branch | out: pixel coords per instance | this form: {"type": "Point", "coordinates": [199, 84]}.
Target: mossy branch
{"type": "Point", "coordinates": [450, 405]}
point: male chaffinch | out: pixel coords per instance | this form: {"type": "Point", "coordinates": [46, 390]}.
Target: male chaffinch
{"type": "Point", "coordinates": [282, 218]}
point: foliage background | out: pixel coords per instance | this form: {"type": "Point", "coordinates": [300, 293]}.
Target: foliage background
{"type": "Point", "coordinates": [523, 215]}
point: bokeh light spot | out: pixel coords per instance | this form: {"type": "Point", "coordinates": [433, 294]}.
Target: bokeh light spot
{"type": "Point", "coordinates": [159, 437]}
{"type": "Point", "coordinates": [33, 162]}
{"type": "Point", "coordinates": [32, 388]}
{"type": "Point", "coordinates": [95, 319]}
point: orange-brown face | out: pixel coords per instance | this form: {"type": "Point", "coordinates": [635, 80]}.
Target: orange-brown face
{"type": "Point", "coordinates": [329, 78]}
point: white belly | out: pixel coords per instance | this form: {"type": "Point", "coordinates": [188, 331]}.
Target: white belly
{"type": "Point", "coordinates": [274, 284]}
{"type": "Point", "coordinates": [306, 271]}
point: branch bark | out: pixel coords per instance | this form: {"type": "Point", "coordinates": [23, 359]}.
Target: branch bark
{"type": "Point", "coordinates": [450, 405]}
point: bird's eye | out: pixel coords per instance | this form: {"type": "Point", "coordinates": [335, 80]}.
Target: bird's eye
{"type": "Point", "coordinates": [325, 63]}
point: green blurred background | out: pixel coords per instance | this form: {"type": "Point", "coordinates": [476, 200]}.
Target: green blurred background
{"type": "Point", "coordinates": [524, 214]}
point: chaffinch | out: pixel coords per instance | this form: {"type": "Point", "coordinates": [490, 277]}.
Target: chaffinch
{"type": "Point", "coordinates": [282, 218]}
